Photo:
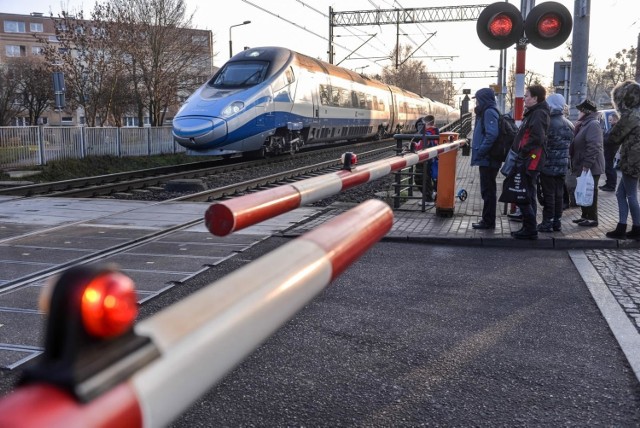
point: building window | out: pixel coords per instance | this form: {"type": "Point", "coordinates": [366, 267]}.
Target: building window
{"type": "Point", "coordinates": [36, 27]}
{"type": "Point", "coordinates": [67, 119]}
{"type": "Point", "coordinates": [14, 50]}
{"type": "Point", "coordinates": [14, 27]}
{"type": "Point", "coordinates": [200, 40]}
{"type": "Point", "coordinates": [37, 50]}
{"type": "Point", "coordinates": [54, 39]}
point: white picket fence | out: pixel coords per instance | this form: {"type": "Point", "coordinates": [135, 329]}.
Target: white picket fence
{"type": "Point", "coordinates": [25, 146]}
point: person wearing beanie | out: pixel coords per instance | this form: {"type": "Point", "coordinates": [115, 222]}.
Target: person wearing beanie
{"type": "Point", "coordinates": [554, 170]}
{"type": "Point", "coordinates": [626, 100]}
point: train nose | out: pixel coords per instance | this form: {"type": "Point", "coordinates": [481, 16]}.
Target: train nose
{"type": "Point", "coordinates": [196, 131]}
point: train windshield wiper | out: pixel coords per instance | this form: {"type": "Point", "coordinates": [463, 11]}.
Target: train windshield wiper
{"type": "Point", "coordinates": [254, 74]}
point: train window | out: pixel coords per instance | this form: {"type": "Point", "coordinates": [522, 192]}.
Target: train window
{"type": "Point", "coordinates": [290, 77]}
{"type": "Point", "coordinates": [375, 103]}
{"type": "Point", "coordinates": [240, 74]}
{"type": "Point", "coordinates": [325, 90]}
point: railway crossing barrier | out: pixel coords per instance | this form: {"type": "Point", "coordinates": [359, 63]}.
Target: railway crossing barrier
{"type": "Point", "coordinates": [181, 352]}
{"type": "Point", "coordinates": [223, 218]}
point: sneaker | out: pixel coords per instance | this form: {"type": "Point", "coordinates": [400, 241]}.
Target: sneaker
{"type": "Point", "coordinates": [588, 223]}
{"type": "Point", "coordinates": [606, 188]}
{"type": "Point", "coordinates": [556, 225]}
{"type": "Point", "coordinates": [579, 220]}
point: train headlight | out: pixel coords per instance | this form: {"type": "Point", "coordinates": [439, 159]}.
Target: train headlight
{"type": "Point", "coordinates": [232, 108]}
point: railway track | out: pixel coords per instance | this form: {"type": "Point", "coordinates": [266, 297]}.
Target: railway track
{"type": "Point", "coordinates": [158, 258]}
{"type": "Point", "coordinates": [212, 171]}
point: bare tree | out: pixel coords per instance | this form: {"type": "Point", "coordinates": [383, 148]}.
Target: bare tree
{"type": "Point", "coordinates": [34, 86]}
{"type": "Point", "coordinates": [162, 56]}
{"type": "Point", "coordinates": [9, 82]}
{"type": "Point", "coordinates": [622, 66]}
{"type": "Point", "coordinates": [412, 75]}
{"type": "Point", "coordinates": [84, 52]}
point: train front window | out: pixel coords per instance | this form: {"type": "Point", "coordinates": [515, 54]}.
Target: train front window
{"type": "Point", "coordinates": [240, 74]}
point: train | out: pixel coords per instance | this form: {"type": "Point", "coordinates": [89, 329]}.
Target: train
{"type": "Point", "coordinates": [272, 100]}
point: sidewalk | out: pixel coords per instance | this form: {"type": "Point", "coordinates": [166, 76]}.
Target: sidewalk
{"type": "Point", "coordinates": [413, 224]}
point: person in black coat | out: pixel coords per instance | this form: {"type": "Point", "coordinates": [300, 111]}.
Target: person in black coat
{"type": "Point", "coordinates": [530, 143]}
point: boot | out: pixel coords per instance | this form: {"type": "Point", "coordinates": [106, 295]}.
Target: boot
{"type": "Point", "coordinates": [545, 226]}
{"type": "Point", "coordinates": [634, 233]}
{"type": "Point", "coordinates": [620, 232]}
{"type": "Point", "coordinates": [557, 225]}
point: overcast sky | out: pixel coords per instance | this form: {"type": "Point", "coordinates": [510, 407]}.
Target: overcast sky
{"type": "Point", "coordinates": [303, 26]}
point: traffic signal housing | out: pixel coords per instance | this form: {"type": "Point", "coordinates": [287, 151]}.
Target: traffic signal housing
{"type": "Point", "coordinates": [500, 25]}
{"type": "Point", "coordinates": [547, 26]}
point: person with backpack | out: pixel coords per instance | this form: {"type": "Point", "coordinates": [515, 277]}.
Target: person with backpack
{"type": "Point", "coordinates": [485, 133]}
{"type": "Point", "coordinates": [554, 171]}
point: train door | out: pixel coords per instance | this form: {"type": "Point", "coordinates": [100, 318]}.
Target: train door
{"type": "Point", "coordinates": [393, 113]}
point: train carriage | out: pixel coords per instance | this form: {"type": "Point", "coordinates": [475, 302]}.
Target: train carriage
{"type": "Point", "coordinates": [274, 100]}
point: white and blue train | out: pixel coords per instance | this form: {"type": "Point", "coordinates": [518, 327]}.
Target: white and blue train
{"type": "Point", "coordinates": [272, 100]}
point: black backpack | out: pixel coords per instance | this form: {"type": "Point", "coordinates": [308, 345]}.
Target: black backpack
{"type": "Point", "coordinates": [507, 130]}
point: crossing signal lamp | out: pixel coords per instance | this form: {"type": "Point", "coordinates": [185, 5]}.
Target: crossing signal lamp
{"type": "Point", "coordinates": [547, 25]}
{"type": "Point", "coordinates": [90, 343]}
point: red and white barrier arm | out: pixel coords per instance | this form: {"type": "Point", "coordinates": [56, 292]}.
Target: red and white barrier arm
{"type": "Point", "coordinates": [223, 218]}
{"type": "Point", "coordinates": [203, 337]}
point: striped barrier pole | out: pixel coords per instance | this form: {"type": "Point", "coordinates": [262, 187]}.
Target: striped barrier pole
{"type": "Point", "coordinates": [223, 218]}
{"type": "Point", "coordinates": [203, 337]}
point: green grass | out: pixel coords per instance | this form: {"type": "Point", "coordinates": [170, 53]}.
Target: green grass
{"type": "Point", "coordinates": [99, 165]}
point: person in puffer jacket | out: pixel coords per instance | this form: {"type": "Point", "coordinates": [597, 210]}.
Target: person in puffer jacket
{"type": "Point", "coordinates": [626, 99]}
{"type": "Point", "coordinates": [554, 170]}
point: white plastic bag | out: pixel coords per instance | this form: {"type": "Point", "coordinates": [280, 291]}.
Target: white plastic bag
{"type": "Point", "coordinates": [584, 189]}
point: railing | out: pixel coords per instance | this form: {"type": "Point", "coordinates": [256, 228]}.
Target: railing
{"type": "Point", "coordinates": [28, 146]}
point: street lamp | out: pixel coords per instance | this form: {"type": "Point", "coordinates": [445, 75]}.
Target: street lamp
{"type": "Point", "coordinates": [230, 44]}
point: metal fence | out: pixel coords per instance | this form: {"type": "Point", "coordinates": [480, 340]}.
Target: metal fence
{"type": "Point", "coordinates": [27, 146]}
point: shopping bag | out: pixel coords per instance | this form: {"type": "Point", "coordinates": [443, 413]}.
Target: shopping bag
{"type": "Point", "coordinates": [584, 189]}
{"type": "Point", "coordinates": [514, 189]}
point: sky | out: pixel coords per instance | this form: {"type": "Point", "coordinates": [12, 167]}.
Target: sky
{"type": "Point", "coordinates": [303, 25]}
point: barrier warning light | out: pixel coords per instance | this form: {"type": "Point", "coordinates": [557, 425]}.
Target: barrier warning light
{"type": "Point", "coordinates": [547, 25]}
{"type": "Point", "coordinates": [109, 305]}
{"type": "Point", "coordinates": [90, 344]}
{"type": "Point", "coordinates": [348, 160]}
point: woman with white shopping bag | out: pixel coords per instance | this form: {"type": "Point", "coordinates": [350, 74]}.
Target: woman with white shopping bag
{"type": "Point", "coordinates": [587, 160]}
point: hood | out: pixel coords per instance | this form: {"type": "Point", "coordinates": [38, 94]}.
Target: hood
{"type": "Point", "coordinates": [485, 98]}
{"type": "Point", "coordinates": [556, 102]}
{"type": "Point", "coordinates": [626, 95]}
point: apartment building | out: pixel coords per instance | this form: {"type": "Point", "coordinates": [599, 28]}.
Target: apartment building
{"type": "Point", "coordinates": [18, 39]}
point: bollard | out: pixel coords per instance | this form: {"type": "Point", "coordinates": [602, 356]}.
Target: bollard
{"type": "Point", "coordinates": [446, 177]}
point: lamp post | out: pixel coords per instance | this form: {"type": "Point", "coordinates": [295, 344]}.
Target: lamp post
{"type": "Point", "coordinates": [230, 43]}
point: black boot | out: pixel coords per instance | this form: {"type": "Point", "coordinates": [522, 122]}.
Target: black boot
{"type": "Point", "coordinates": [620, 232]}
{"type": "Point", "coordinates": [634, 233]}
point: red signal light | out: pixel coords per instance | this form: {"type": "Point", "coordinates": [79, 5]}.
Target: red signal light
{"type": "Point", "coordinates": [549, 25]}
{"type": "Point", "coordinates": [109, 306]}
{"type": "Point", "coordinates": [501, 25]}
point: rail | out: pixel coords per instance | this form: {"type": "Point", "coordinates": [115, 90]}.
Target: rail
{"type": "Point", "coordinates": [194, 342]}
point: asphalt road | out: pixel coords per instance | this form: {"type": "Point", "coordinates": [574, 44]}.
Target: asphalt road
{"type": "Point", "coordinates": [425, 335]}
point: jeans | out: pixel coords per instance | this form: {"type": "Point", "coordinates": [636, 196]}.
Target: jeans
{"type": "Point", "coordinates": [488, 192]}
{"type": "Point", "coordinates": [591, 212]}
{"type": "Point", "coordinates": [627, 195]}
{"type": "Point", "coordinates": [553, 194]}
{"type": "Point", "coordinates": [529, 210]}
{"type": "Point", "coordinates": [609, 170]}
